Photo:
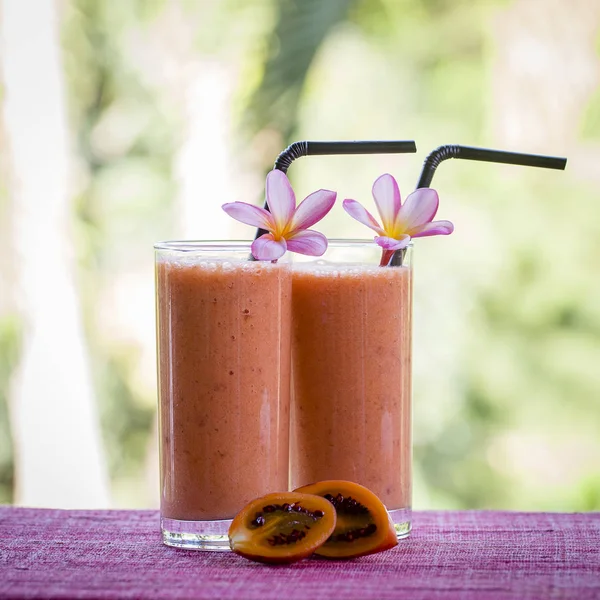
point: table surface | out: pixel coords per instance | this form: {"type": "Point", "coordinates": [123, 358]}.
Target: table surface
{"type": "Point", "coordinates": [460, 554]}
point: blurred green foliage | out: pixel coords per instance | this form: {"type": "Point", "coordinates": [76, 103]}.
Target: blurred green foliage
{"type": "Point", "coordinates": [10, 335]}
{"type": "Point", "coordinates": [126, 140]}
{"type": "Point", "coordinates": [126, 421]}
{"type": "Point", "coordinates": [300, 29]}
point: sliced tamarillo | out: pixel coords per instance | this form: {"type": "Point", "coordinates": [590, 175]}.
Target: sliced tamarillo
{"type": "Point", "coordinates": [282, 527]}
{"type": "Point", "coordinates": [363, 524]}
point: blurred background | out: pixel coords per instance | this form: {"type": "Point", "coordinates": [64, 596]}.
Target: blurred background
{"type": "Point", "coordinates": [125, 122]}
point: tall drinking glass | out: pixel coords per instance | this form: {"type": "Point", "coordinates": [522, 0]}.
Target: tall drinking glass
{"type": "Point", "coordinates": [223, 333]}
{"type": "Point", "coordinates": [351, 364]}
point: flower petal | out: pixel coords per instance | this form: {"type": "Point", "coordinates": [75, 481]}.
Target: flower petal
{"type": "Point", "coordinates": [280, 198]}
{"type": "Point", "coordinates": [387, 197]}
{"type": "Point", "coordinates": [307, 242]}
{"type": "Point", "coordinates": [389, 243]}
{"type": "Point", "coordinates": [312, 209]}
{"type": "Point", "coordinates": [419, 208]}
{"type": "Point", "coordinates": [250, 214]}
{"type": "Point", "coordinates": [267, 248]}
{"type": "Point", "coordinates": [433, 228]}
{"type": "Point", "coordinates": [357, 211]}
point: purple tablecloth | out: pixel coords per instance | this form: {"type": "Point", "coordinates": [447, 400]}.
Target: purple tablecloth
{"type": "Point", "coordinates": [119, 554]}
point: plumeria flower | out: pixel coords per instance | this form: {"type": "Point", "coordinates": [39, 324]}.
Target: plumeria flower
{"type": "Point", "coordinates": [287, 225]}
{"type": "Point", "coordinates": [399, 222]}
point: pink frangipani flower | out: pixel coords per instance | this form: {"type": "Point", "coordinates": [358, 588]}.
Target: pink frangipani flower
{"type": "Point", "coordinates": [399, 222]}
{"type": "Point", "coordinates": [287, 224]}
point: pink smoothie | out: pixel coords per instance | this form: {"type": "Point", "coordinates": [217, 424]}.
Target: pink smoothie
{"type": "Point", "coordinates": [351, 406]}
{"type": "Point", "coordinates": [224, 376]}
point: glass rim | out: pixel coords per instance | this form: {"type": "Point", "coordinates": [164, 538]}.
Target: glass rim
{"type": "Point", "coordinates": [243, 245]}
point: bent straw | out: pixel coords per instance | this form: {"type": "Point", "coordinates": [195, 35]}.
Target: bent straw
{"type": "Point", "coordinates": [306, 148]}
{"type": "Point", "coordinates": [298, 149]}
{"type": "Point", "coordinates": [433, 160]}
{"type": "Point", "coordinates": [442, 153]}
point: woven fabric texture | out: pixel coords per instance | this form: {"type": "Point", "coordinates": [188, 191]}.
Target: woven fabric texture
{"type": "Point", "coordinates": [467, 555]}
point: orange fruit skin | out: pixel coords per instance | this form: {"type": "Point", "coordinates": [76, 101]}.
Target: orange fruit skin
{"type": "Point", "coordinates": [252, 542]}
{"type": "Point", "coordinates": [383, 539]}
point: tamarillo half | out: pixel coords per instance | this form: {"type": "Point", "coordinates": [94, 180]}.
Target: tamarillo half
{"type": "Point", "coordinates": [363, 525]}
{"type": "Point", "coordinates": [282, 528]}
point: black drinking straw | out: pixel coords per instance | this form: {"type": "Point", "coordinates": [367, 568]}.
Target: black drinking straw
{"type": "Point", "coordinates": [305, 148]}
{"type": "Point", "coordinates": [442, 153]}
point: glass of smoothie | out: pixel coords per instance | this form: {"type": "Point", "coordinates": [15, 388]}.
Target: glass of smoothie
{"type": "Point", "coordinates": [351, 364]}
{"type": "Point", "coordinates": [223, 335]}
